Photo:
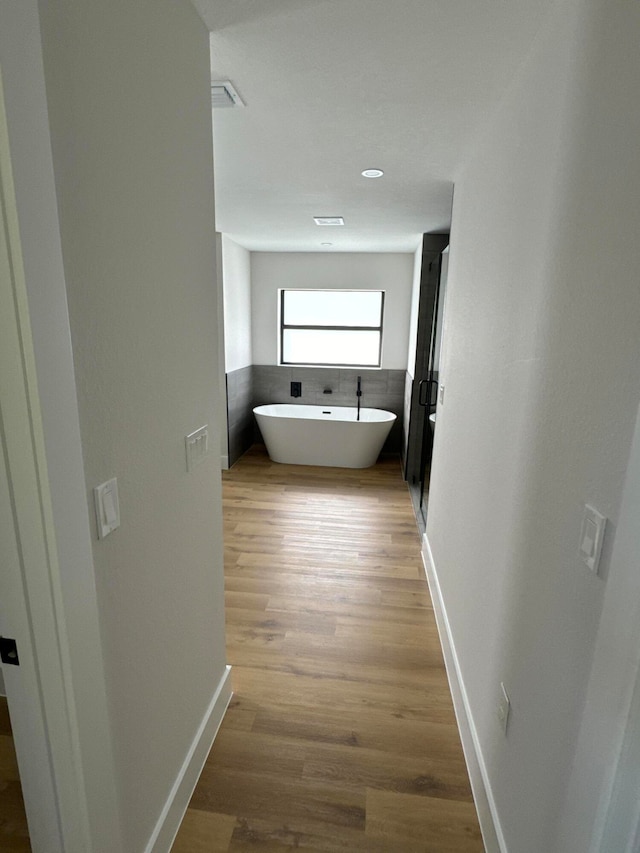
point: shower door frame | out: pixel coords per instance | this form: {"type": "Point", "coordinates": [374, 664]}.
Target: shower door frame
{"type": "Point", "coordinates": [425, 381]}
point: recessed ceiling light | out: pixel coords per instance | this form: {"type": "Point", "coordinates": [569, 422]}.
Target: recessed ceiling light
{"type": "Point", "coordinates": [372, 173]}
{"type": "Point", "coordinates": [326, 244]}
{"type": "Point", "coordinates": [328, 220]}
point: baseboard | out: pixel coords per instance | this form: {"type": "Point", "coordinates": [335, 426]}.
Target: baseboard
{"type": "Point", "coordinates": [482, 794]}
{"type": "Point", "coordinates": [224, 462]}
{"type": "Point", "coordinates": [171, 816]}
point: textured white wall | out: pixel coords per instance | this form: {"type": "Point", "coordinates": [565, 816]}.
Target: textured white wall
{"type": "Point", "coordinates": [367, 271]}
{"type": "Point", "coordinates": [613, 675]}
{"type": "Point", "coordinates": [542, 356]}
{"type": "Point", "coordinates": [237, 304]}
{"type": "Point", "coordinates": [131, 135]}
{"type": "Point", "coordinates": [600, 232]}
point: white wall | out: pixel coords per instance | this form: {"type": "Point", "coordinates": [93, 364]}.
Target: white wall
{"type": "Point", "coordinates": [236, 270]}
{"type": "Point", "coordinates": [131, 130]}
{"type": "Point", "coordinates": [613, 675]}
{"type": "Point", "coordinates": [412, 337]}
{"type": "Point", "coordinates": [222, 379]}
{"type": "Point", "coordinates": [357, 271]}
{"type": "Point", "coordinates": [602, 228]}
{"type": "Point", "coordinates": [542, 356]}
{"type": "Point", "coordinates": [412, 331]}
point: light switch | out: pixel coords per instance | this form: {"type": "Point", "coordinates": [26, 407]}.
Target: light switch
{"type": "Point", "coordinates": [591, 537]}
{"type": "Point", "coordinates": [197, 446]}
{"type": "Point", "coordinates": [504, 708]}
{"type": "Point", "coordinates": [110, 514]}
{"type": "Point", "coordinates": [107, 507]}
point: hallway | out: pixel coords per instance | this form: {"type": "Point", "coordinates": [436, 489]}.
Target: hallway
{"type": "Point", "coordinates": [340, 735]}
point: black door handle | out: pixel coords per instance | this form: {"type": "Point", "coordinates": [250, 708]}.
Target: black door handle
{"type": "Point", "coordinates": [425, 399]}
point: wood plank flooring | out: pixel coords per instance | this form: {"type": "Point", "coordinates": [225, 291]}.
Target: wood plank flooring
{"type": "Point", "coordinates": [341, 734]}
{"type": "Point", "coordinates": [14, 834]}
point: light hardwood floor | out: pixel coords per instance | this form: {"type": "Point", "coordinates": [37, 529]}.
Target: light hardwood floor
{"type": "Point", "coordinates": [340, 735]}
{"type": "Point", "coordinates": [14, 834]}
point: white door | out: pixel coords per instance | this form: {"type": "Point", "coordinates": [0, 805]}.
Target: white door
{"type": "Point", "coordinates": [38, 688]}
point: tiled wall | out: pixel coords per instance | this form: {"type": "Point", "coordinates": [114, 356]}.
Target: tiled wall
{"type": "Point", "coordinates": [240, 420]}
{"type": "Point", "coordinates": [263, 383]}
{"type": "Point", "coordinates": [381, 389]}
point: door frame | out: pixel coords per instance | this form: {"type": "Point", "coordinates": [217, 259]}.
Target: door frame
{"type": "Point", "coordinates": [70, 600]}
{"type": "Point", "coordinates": [39, 690]}
{"type": "Point", "coordinates": [432, 247]}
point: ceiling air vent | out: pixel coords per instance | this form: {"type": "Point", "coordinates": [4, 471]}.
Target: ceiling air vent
{"type": "Point", "coordinates": [224, 95]}
{"type": "Point", "coordinates": [328, 220]}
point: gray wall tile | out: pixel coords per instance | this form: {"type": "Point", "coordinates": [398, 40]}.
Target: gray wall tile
{"type": "Point", "coordinates": [381, 389]}
{"type": "Point", "coordinates": [239, 412]}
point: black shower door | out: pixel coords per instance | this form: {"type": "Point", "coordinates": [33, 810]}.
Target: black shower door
{"type": "Point", "coordinates": [425, 383]}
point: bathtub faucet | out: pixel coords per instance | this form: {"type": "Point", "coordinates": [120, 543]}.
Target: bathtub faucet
{"type": "Point", "coordinates": [358, 395]}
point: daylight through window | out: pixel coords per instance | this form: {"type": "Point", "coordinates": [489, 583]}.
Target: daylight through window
{"type": "Point", "coordinates": [331, 327]}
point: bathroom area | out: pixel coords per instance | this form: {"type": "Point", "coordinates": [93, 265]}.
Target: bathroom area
{"type": "Point", "coordinates": [253, 375]}
{"type": "Point", "coordinates": [410, 340]}
{"type": "Point", "coordinates": [261, 384]}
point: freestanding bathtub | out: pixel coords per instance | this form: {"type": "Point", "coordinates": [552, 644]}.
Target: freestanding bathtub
{"type": "Point", "coordinates": [323, 435]}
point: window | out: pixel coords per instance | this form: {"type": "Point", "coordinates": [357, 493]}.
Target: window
{"type": "Point", "coordinates": [331, 327]}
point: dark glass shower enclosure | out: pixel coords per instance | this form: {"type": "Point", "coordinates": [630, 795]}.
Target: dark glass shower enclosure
{"type": "Point", "coordinates": [424, 391]}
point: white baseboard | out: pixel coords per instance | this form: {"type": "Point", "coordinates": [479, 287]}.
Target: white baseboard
{"type": "Point", "coordinates": [171, 816]}
{"type": "Point", "coordinates": [224, 462]}
{"type": "Point", "coordinates": [482, 794]}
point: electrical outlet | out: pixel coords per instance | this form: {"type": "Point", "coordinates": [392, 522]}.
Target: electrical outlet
{"type": "Point", "coordinates": [504, 708]}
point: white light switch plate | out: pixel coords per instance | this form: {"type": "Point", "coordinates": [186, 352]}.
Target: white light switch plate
{"type": "Point", "coordinates": [197, 446]}
{"type": "Point", "coordinates": [504, 708]}
{"type": "Point", "coordinates": [107, 507]}
{"type": "Point", "coordinates": [591, 537]}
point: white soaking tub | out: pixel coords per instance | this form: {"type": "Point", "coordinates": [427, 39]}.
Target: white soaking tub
{"type": "Point", "coordinates": [323, 435]}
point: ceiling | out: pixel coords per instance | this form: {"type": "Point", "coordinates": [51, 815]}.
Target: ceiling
{"type": "Point", "coordinates": [332, 87]}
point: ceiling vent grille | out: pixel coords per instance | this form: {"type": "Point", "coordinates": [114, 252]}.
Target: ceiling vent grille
{"type": "Point", "coordinates": [328, 220]}
{"type": "Point", "coordinates": [224, 95]}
